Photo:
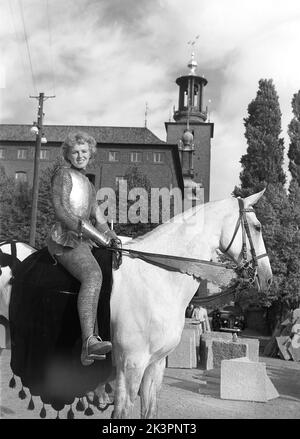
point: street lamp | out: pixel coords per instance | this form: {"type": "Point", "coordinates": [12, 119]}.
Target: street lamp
{"type": "Point", "coordinates": [34, 129]}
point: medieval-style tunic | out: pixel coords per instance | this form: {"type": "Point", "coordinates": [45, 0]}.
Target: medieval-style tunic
{"type": "Point", "coordinates": [74, 201]}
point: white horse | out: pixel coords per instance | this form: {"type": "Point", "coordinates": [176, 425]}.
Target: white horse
{"type": "Point", "coordinates": [22, 251]}
{"type": "Point", "coordinates": [148, 303]}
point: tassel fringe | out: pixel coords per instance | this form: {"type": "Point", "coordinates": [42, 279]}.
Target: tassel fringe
{"type": "Point", "coordinates": [31, 404]}
{"type": "Point", "coordinates": [22, 394]}
{"type": "Point", "coordinates": [70, 414]}
{"type": "Point", "coordinates": [43, 413]}
{"type": "Point", "coordinates": [89, 411]}
{"type": "Point", "coordinates": [80, 405]}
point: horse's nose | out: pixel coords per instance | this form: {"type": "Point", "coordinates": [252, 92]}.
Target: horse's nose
{"type": "Point", "coordinates": [269, 281]}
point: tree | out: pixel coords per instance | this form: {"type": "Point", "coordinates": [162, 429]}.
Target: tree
{"type": "Point", "coordinates": [294, 156]}
{"type": "Point", "coordinates": [263, 162]}
{"type": "Point", "coordinates": [293, 284]}
{"type": "Point", "coordinates": [294, 134]}
{"type": "Point", "coordinates": [262, 167]}
{"type": "Point", "coordinates": [134, 179]}
{"type": "Point", "coordinates": [15, 208]}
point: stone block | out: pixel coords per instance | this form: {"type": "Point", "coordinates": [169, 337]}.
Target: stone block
{"type": "Point", "coordinates": [185, 354]}
{"type": "Point", "coordinates": [205, 348]}
{"type": "Point", "coordinates": [245, 380]}
{"type": "Point", "coordinates": [253, 347]}
{"type": "Point", "coordinates": [226, 350]}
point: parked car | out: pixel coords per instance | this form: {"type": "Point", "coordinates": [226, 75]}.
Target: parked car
{"type": "Point", "coordinates": [228, 317]}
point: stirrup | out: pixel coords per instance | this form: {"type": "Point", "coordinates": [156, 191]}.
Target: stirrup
{"type": "Point", "coordinates": [88, 358]}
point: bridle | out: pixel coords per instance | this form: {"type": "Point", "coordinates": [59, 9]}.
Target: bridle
{"type": "Point", "coordinates": [247, 269]}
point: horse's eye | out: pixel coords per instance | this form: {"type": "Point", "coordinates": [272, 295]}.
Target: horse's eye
{"type": "Point", "coordinates": [257, 227]}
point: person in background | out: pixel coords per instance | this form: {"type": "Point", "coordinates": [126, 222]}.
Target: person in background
{"type": "Point", "coordinates": [200, 314]}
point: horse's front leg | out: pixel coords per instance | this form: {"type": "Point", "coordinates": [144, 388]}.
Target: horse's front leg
{"type": "Point", "coordinates": [129, 377]}
{"type": "Point", "coordinates": [150, 386]}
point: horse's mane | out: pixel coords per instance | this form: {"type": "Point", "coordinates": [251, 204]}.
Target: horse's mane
{"type": "Point", "coordinates": [179, 218]}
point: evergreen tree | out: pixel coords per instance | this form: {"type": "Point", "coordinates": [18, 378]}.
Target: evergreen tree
{"type": "Point", "coordinates": [262, 167]}
{"type": "Point", "coordinates": [263, 162]}
{"type": "Point", "coordinates": [293, 280]}
{"type": "Point", "coordinates": [294, 156]}
{"type": "Point", "coordinates": [294, 149]}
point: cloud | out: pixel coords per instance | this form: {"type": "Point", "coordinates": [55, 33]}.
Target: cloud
{"type": "Point", "coordinates": [111, 57]}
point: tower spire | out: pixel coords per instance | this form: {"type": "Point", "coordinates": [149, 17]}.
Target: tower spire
{"type": "Point", "coordinates": [190, 104]}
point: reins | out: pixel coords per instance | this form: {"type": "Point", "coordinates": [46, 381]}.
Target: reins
{"type": "Point", "coordinates": [246, 267]}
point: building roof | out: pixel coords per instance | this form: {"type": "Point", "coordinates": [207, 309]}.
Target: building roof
{"type": "Point", "coordinates": [57, 133]}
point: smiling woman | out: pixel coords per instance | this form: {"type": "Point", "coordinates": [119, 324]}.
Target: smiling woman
{"type": "Point", "coordinates": [78, 149]}
{"type": "Point", "coordinates": [73, 236]}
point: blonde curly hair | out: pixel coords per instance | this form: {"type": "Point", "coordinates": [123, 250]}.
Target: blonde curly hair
{"type": "Point", "coordinates": [76, 138]}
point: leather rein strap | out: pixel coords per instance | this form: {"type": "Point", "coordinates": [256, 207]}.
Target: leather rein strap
{"type": "Point", "coordinates": [249, 268]}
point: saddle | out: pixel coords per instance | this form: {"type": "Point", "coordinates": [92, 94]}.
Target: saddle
{"type": "Point", "coordinates": [45, 329]}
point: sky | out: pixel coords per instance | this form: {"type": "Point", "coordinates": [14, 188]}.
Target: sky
{"type": "Point", "coordinates": [105, 59]}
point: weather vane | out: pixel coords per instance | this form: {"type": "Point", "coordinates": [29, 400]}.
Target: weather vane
{"type": "Point", "coordinates": [193, 42]}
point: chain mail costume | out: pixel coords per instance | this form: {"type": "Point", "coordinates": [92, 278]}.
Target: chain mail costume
{"type": "Point", "coordinates": [79, 225]}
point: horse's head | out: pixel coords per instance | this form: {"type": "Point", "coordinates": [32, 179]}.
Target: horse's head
{"type": "Point", "coordinates": [242, 240]}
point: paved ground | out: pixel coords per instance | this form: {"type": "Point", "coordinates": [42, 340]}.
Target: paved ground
{"type": "Point", "coordinates": [185, 394]}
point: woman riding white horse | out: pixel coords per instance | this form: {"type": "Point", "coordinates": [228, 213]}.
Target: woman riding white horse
{"type": "Point", "coordinates": [143, 333]}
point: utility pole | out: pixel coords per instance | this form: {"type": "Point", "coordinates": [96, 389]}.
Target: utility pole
{"type": "Point", "coordinates": [35, 190]}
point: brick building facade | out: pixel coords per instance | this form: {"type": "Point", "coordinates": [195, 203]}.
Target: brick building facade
{"type": "Point", "coordinates": [118, 149]}
{"type": "Point", "coordinates": [182, 161]}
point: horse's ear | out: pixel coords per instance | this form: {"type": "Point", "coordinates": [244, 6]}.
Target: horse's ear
{"type": "Point", "coordinates": [252, 199]}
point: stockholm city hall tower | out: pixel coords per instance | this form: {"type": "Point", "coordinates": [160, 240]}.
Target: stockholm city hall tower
{"type": "Point", "coordinates": [191, 131]}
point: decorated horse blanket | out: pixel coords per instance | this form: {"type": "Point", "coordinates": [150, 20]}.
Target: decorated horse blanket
{"type": "Point", "coordinates": [45, 329]}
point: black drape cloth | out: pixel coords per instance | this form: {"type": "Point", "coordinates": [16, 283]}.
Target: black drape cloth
{"type": "Point", "coordinates": [45, 329]}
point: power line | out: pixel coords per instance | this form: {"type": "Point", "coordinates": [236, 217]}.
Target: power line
{"type": "Point", "coordinates": [27, 45]}
{"type": "Point", "coordinates": [51, 46]}
{"type": "Point", "coordinates": [17, 38]}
